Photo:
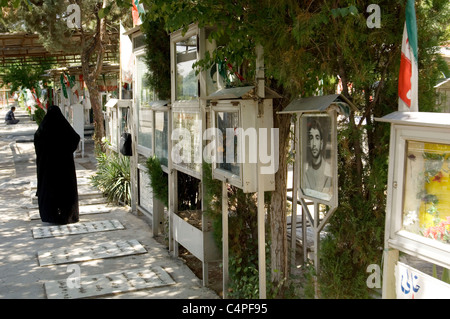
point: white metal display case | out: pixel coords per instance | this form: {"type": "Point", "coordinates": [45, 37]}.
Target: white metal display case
{"type": "Point", "coordinates": [186, 136]}
{"type": "Point", "coordinates": [252, 129]}
{"type": "Point", "coordinates": [161, 110]}
{"type": "Point", "coordinates": [76, 119]}
{"type": "Point", "coordinates": [117, 120]}
{"type": "Point", "coordinates": [419, 127]}
{"type": "Point", "coordinates": [142, 128]}
{"type": "Point", "coordinates": [329, 194]}
{"type": "Point", "coordinates": [187, 112]}
{"type": "Point", "coordinates": [325, 110]}
{"type": "Point", "coordinates": [416, 138]}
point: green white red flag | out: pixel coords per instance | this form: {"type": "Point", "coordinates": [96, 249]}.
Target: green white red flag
{"type": "Point", "coordinates": [409, 75]}
{"type": "Point", "coordinates": [136, 11]}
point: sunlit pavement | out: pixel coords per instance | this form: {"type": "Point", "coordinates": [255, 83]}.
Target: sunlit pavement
{"type": "Point", "coordinates": [22, 276]}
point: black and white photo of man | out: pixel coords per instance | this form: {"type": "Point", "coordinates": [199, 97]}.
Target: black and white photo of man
{"type": "Point", "coordinates": [317, 172]}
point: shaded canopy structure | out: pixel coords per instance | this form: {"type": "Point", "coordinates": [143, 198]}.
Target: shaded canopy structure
{"type": "Point", "coordinates": [26, 48]}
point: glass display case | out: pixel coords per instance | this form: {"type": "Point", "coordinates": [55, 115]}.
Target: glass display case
{"type": "Point", "coordinates": [186, 79]}
{"type": "Point", "coordinates": [243, 135]}
{"type": "Point", "coordinates": [124, 115]}
{"type": "Point", "coordinates": [227, 144]}
{"type": "Point", "coordinates": [162, 137]}
{"type": "Point", "coordinates": [145, 194]}
{"type": "Point", "coordinates": [144, 116]}
{"type": "Point", "coordinates": [418, 197]}
{"type": "Point", "coordinates": [426, 202]}
{"type": "Point", "coordinates": [112, 126]}
{"type": "Point", "coordinates": [185, 156]}
{"type": "Point", "coordinates": [187, 141]}
{"type": "Point", "coordinates": [317, 156]}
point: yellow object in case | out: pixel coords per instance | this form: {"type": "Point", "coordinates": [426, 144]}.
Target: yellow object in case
{"type": "Point", "coordinates": [437, 185]}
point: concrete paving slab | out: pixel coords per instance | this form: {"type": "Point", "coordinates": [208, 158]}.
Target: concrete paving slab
{"type": "Point", "coordinates": [99, 251]}
{"type": "Point", "coordinates": [76, 229]}
{"type": "Point", "coordinates": [110, 283]}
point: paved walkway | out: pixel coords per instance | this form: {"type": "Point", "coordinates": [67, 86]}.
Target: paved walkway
{"type": "Point", "coordinates": [110, 253]}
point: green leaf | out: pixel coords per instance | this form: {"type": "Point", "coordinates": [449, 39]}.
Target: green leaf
{"type": "Point", "coordinates": [101, 13]}
{"type": "Point", "coordinates": [344, 12]}
{"type": "Point", "coordinates": [353, 10]}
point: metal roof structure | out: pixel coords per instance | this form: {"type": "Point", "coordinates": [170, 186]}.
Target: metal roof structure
{"type": "Point", "coordinates": [107, 68]}
{"type": "Point", "coordinates": [244, 92]}
{"type": "Point", "coordinates": [319, 104]}
{"type": "Point", "coordinates": [432, 119]}
{"type": "Point", "coordinates": [26, 48]}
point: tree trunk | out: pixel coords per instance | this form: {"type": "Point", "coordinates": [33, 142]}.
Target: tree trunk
{"type": "Point", "coordinates": [99, 127]}
{"type": "Point", "coordinates": [90, 75]}
{"type": "Point", "coordinates": [278, 226]}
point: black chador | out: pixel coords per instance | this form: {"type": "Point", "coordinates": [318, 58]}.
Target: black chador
{"type": "Point", "coordinates": [55, 141]}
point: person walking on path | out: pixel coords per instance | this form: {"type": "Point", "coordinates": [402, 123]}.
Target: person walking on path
{"type": "Point", "coordinates": [10, 118]}
{"type": "Point", "coordinates": [55, 141]}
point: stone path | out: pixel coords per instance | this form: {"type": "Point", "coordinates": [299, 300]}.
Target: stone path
{"type": "Point", "coordinates": [110, 253]}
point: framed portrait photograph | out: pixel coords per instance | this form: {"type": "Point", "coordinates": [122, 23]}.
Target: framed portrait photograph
{"type": "Point", "coordinates": [318, 161]}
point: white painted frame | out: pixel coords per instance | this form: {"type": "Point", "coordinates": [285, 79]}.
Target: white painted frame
{"type": "Point", "coordinates": [417, 126]}
{"type": "Point", "coordinates": [219, 173]}
{"type": "Point", "coordinates": [415, 245]}
{"type": "Point", "coordinates": [333, 201]}
{"type": "Point", "coordinates": [251, 115]}
{"type": "Point", "coordinates": [200, 243]}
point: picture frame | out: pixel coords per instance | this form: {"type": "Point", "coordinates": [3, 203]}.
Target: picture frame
{"type": "Point", "coordinates": [318, 160]}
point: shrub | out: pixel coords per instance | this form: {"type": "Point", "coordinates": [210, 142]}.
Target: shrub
{"type": "Point", "coordinates": [39, 115]}
{"type": "Point", "coordinates": [159, 180]}
{"type": "Point", "coordinates": [113, 177]}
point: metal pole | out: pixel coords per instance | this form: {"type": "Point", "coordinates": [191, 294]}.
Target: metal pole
{"type": "Point", "coordinates": [225, 237]}
{"type": "Point", "coordinates": [294, 195]}
{"type": "Point", "coordinates": [261, 211]}
{"type": "Point", "coordinates": [261, 239]}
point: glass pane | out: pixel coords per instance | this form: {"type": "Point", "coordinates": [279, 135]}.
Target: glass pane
{"type": "Point", "coordinates": [161, 136]}
{"type": "Point", "coordinates": [139, 41]}
{"type": "Point", "coordinates": [228, 123]}
{"type": "Point", "coordinates": [114, 127]}
{"type": "Point", "coordinates": [316, 156]}
{"type": "Point", "coordinates": [143, 110]}
{"type": "Point", "coordinates": [108, 126]}
{"type": "Point", "coordinates": [123, 120]}
{"type": "Point", "coordinates": [426, 202]}
{"type": "Point", "coordinates": [187, 140]}
{"type": "Point", "coordinates": [186, 80]}
{"type": "Point", "coordinates": [145, 198]}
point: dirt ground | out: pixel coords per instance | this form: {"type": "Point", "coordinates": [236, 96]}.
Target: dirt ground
{"type": "Point", "coordinates": [215, 280]}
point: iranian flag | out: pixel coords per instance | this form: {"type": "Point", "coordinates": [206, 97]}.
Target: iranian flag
{"type": "Point", "coordinates": [137, 9]}
{"type": "Point", "coordinates": [408, 77]}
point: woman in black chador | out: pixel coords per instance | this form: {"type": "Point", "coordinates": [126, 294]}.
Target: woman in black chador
{"type": "Point", "coordinates": [55, 141]}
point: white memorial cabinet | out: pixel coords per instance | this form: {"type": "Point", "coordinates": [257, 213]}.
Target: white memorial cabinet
{"type": "Point", "coordinates": [418, 202]}
{"type": "Point", "coordinates": [187, 124]}
{"type": "Point", "coordinates": [147, 120]}
{"type": "Point", "coordinates": [243, 135]}
{"type": "Point", "coordinates": [76, 119]}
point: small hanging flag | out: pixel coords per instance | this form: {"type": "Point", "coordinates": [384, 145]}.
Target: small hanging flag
{"type": "Point", "coordinates": [136, 11]}
{"type": "Point", "coordinates": [63, 86]}
{"type": "Point", "coordinates": [409, 77]}
{"type": "Point", "coordinates": [33, 93]}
